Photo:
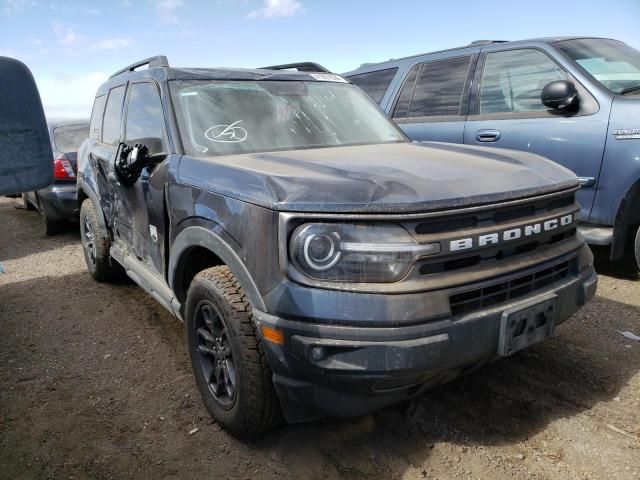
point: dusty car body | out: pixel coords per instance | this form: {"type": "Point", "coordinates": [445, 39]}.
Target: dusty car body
{"type": "Point", "coordinates": [327, 268]}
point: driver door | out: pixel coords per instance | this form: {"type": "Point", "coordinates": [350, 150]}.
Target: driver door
{"type": "Point", "coordinates": [139, 208]}
{"type": "Point", "coordinates": [507, 113]}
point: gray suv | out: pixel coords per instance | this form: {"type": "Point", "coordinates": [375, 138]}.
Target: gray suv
{"type": "Point", "coordinates": [323, 264]}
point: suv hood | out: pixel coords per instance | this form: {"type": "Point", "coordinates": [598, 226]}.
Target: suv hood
{"type": "Point", "coordinates": [386, 178]}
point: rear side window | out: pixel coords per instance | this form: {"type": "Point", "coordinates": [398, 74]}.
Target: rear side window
{"type": "Point", "coordinates": [374, 84]}
{"type": "Point", "coordinates": [67, 138]}
{"type": "Point", "coordinates": [512, 81]}
{"type": "Point", "coordinates": [440, 87]}
{"type": "Point", "coordinates": [145, 121]}
{"type": "Point", "coordinates": [404, 100]}
{"type": "Point", "coordinates": [96, 117]}
{"type": "Point", "coordinates": [112, 116]}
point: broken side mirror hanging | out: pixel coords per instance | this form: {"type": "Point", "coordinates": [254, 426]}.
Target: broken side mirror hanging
{"type": "Point", "coordinates": [132, 160]}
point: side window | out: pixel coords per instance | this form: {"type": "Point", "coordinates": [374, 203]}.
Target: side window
{"type": "Point", "coordinates": [440, 87]}
{"type": "Point", "coordinates": [513, 80]}
{"type": "Point", "coordinates": [96, 117]}
{"type": "Point", "coordinates": [112, 116]}
{"type": "Point", "coordinates": [404, 100]}
{"type": "Point", "coordinates": [374, 84]}
{"type": "Point", "coordinates": [145, 121]}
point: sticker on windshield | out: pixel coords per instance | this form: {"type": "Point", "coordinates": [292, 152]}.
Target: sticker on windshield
{"type": "Point", "coordinates": [328, 77]}
{"type": "Point", "coordinates": [227, 133]}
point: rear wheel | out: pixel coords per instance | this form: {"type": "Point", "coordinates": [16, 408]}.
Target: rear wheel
{"type": "Point", "coordinates": [96, 245]}
{"type": "Point", "coordinates": [229, 363]}
{"type": "Point", "coordinates": [51, 227]}
{"type": "Point", "coordinates": [26, 203]}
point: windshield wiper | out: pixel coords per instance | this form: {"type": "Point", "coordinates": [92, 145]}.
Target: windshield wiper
{"type": "Point", "coordinates": [630, 89]}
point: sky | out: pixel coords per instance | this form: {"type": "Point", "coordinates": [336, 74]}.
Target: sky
{"type": "Point", "coordinates": [72, 46]}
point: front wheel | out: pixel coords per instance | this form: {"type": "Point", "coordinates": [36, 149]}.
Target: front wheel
{"type": "Point", "coordinates": [229, 363]}
{"type": "Point", "coordinates": [637, 248]}
{"type": "Point", "coordinates": [96, 245]}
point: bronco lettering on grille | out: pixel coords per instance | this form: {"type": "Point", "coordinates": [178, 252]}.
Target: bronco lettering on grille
{"type": "Point", "coordinates": [496, 238]}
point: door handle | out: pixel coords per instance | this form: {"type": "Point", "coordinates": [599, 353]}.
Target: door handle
{"type": "Point", "coordinates": [487, 135]}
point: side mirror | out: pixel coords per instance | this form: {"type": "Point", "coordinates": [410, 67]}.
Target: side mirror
{"type": "Point", "coordinates": [26, 159]}
{"type": "Point", "coordinates": [559, 94]}
{"type": "Point", "coordinates": [131, 161]}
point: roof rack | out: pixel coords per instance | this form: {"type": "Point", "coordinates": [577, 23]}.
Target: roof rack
{"type": "Point", "coordinates": [478, 43]}
{"type": "Point", "coordinates": [157, 61]}
{"type": "Point", "coordinates": [300, 66]}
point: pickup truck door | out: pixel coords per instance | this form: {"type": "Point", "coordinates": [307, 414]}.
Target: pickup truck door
{"type": "Point", "coordinates": [506, 112]}
{"type": "Point", "coordinates": [138, 208]}
{"type": "Point", "coordinates": [432, 103]}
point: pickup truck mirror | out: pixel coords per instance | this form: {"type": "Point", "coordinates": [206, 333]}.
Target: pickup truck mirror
{"type": "Point", "coordinates": [559, 94]}
{"type": "Point", "coordinates": [26, 158]}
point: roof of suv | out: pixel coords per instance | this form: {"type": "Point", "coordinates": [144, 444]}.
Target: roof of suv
{"type": "Point", "coordinates": [476, 44]}
{"type": "Point", "coordinates": [159, 69]}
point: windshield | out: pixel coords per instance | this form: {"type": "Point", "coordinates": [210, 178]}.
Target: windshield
{"type": "Point", "coordinates": [230, 117]}
{"type": "Point", "coordinates": [68, 138]}
{"type": "Point", "coordinates": [614, 64]}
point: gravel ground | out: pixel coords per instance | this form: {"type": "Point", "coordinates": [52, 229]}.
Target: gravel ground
{"type": "Point", "coordinates": [95, 383]}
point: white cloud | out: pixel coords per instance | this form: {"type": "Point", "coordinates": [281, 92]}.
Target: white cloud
{"type": "Point", "coordinates": [278, 8]}
{"type": "Point", "coordinates": [65, 34]}
{"type": "Point", "coordinates": [112, 43]}
{"type": "Point", "coordinates": [69, 96]}
{"type": "Point", "coordinates": [16, 6]}
{"type": "Point", "coordinates": [167, 10]}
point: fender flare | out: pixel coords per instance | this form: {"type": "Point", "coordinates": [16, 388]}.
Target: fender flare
{"type": "Point", "coordinates": [88, 191]}
{"type": "Point", "coordinates": [197, 236]}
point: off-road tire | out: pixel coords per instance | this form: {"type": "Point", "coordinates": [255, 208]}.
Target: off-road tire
{"type": "Point", "coordinates": [99, 263]}
{"type": "Point", "coordinates": [637, 248]}
{"type": "Point", "coordinates": [255, 408]}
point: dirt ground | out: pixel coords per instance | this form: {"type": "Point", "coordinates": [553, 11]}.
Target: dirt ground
{"type": "Point", "coordinates": [95, 383]}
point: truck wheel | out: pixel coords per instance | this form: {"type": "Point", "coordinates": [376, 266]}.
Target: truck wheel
{"type": "Point", "coordinates": [96, 247]}
{"type": "Point", "coordinates": [637, 248]}
{"type": "Point", "coordinates": [227, 357]}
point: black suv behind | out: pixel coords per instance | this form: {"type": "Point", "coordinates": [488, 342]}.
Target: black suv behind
{"type": "Point", "coordinates": [323, 264]}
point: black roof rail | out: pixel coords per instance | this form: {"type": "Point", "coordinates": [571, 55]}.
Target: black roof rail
{"type": "Point", "coordinates": [157, 61]}
{"type": "Point", "coordinates": [477, 43]}
{"type": "Point", "coordinates": [300, 66]}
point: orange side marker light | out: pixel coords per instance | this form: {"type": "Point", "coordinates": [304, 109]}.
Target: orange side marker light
{"type": "Point", "coordinates": [273, 335]}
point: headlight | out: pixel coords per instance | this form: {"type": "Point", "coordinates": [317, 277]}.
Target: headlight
{"type": "Point", "coordinates": [365, 252]}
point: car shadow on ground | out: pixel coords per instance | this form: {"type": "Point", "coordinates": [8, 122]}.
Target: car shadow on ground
{"type": "Point", "coordinates": [503, 403]}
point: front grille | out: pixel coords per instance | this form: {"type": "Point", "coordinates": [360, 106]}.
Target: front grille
{"type": "Point", "coordinates": [485, 297]}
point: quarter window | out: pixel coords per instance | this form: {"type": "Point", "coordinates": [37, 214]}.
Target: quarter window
{"type": "Point", "coordinates": [374, 84]}
{"type": "Point", "coordinates": [512, 81]}
{"type": "Point", "coordinates": [145, 121]}
{"type": "Point", "coordinates": [438, 90]}
{"type": "Point", "coordinates": [96, 117]}
{"type": "Point", "coordinates": [112, 116]}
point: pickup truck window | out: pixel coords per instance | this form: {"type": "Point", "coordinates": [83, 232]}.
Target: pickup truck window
{"type": "Point", "coordinates": [614, 64]}
{"type": "Point", "coordinates": [145, 120]}
{"type": "Point", "coordinates": [512, 80]}
{"type": "Point", "coordinates": [232, 117]}
{"type": "Point", "coordinates": [374, 84]}
{"type": "Point", "coordinates": [112, 116]}
{"type": "Point", "coordinates": [437, 91]}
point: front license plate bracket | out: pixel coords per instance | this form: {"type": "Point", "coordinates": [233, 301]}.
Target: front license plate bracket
{"type": "Point", "coordinates": [527, 324]}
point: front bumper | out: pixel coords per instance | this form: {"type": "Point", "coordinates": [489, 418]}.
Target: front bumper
{"type": "Point", "coordinates": [336, 370]}
{"type": "Point", "coordinates": [59, 201]}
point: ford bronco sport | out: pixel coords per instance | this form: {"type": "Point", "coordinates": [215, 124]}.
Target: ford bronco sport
{"type": "Point", "coordinates": [323, 265]}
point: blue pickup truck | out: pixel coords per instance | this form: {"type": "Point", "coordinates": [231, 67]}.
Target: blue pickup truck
{"type": "Point", "coordinates": [573, 100]}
